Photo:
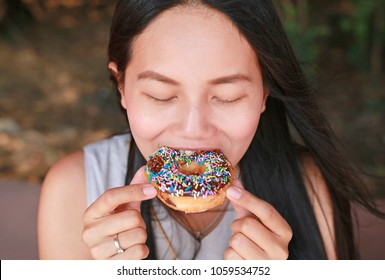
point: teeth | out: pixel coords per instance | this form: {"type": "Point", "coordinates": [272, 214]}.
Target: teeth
{"type": "Point", "coordinates": [186, 152]}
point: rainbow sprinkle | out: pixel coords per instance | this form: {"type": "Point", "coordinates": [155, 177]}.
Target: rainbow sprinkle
{"type": "Point", "coordinates": [164, 165]}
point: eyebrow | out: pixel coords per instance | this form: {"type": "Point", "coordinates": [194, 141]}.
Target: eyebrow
{"type": "Point", "coordinates": [231, 79]}
{"type": "Point", "coordinates": [151, 75]}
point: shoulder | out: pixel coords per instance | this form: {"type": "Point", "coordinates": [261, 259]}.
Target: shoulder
{"type": "Point", "coordinates": [314, 181]}
{"type": "Point", "coordinates": [66, 175]}
{"type": "Point", "coordinates": [321, 201]}
{"type": "Point", "coordinates": [73, 162]}
{"type": "Point", "coordinates": [62, 204]}
{"type": "Point", "coordinates": [65, 178]}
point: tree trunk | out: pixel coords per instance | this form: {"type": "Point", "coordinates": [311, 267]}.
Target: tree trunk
{"type": "Point", "coordinates": [376, 52]}
{"type": "Point", "coordinates": [3, 9]}
{"type": "Point", "coordinates": [303, 14]}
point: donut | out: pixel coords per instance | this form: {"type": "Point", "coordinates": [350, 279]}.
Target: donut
{"type": "Point", "coordinates": [189, 181]}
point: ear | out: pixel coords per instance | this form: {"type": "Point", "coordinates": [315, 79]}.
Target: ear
{"type": "Point", "coordinates": [266, 92]}
{"type": "Point", "coordinates": [119, 82]}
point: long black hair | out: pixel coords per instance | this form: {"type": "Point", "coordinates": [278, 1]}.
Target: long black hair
{"type": "Point", "coordinates": [271, 167]}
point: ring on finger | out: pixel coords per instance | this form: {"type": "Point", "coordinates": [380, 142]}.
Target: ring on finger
{"type": "Point", "coordinates": [117, 244]}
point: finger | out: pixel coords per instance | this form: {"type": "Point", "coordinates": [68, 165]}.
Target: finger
{"type": "Point", "coordinates": [111, 225]}
{"type": "Point", "coordinates": [252, 228]}
{"type": "Point", "coordinates": [126, 239]}
{"type": "Point", "coordinates": [136, 252]}
{"type": "Point", "coordinates": [114, 197]}
{"type": "Point", "coordinates": [132, 237]}
{"type": "Point", "coordinates": [230, 254]}
{"type": "Point", "coordinates": [139, 177]}
{"type": "Point", "coordinates": [269, 242]}
{"type": "Point", "coordinates": [246, 248]}
{"type": "Point", "coordinates": [246, 203]}
{"type": "Point", "coordinates": [233, 194]}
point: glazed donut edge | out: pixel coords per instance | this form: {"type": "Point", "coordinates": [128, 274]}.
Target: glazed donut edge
{"type": "Point", "coordinates": [189, 203]}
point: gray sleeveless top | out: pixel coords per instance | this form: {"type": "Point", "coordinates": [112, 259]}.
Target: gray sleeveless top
{"type": "Point", "coordinates": [106, 166]}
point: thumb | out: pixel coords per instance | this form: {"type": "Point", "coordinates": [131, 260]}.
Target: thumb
{"type": "Point", "coordinates": [148, 190]}
{"type": "Point", "coordinates": [139, 177]}
{"type": "Point", "coordinates": [234, 194]}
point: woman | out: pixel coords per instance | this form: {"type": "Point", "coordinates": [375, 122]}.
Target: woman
{"type": "Point", "coordinates": [198, 75]}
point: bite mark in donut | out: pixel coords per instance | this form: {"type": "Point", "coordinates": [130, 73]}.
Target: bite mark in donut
{"type": "Point", "coordinates": [189, 183]}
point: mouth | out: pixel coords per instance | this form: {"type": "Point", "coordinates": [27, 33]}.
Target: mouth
{"type": "Point", "coordinates": [187, 152]}
{"type": "Point", "coordinates": [190, 151]}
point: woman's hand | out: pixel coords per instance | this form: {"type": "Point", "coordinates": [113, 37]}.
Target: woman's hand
{"type": "Point", "coordinates": [259, 231]}
{"type": "Point", "coordinates": [116, 213]}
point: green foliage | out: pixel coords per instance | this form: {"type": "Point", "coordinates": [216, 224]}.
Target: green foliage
{"type": "Point", "coordinates": [303, 36]}
{"type": "Point", "coordinates": [360, 26]}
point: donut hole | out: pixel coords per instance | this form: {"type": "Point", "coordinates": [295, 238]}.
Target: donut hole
{"type": "Point", "coordinates": [192, 169]}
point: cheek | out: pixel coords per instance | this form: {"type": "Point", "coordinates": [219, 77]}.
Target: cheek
{"type": "Point", "coordinates": [249, 125]}
{"type": "Point", "coordinates": [240, 130]}
{"type": "Point", "coordinates": [242, 126]}
{"type": "Point", "coordinates": [145, 127]}
{"type": "Point", "coordinates": [143, 124]}
{"type": "Point", "coordinates": [146, 121]}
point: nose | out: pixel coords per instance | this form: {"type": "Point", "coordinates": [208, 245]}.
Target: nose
{"type": "Point", "coordinates": [195, 122]}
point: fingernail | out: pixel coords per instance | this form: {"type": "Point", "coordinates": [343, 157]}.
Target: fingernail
{"type": "Point", "coordinates": [149, 190]}
{"type": "Point", "coordinates": [233, 193]}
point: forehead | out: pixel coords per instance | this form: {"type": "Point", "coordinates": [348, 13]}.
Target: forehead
{"type": "Point", "coordinates": [195, 34]}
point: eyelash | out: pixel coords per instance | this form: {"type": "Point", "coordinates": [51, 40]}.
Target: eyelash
{"type": "Point", "coordinates": [160, 100]}
{"type": "Point", "coordinates": [221, 101]}
{"type": "Point", "coordinates": [227, 102]}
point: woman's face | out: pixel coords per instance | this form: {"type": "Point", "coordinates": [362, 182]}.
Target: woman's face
{"type": "Point", "coordinates": [193, 83]}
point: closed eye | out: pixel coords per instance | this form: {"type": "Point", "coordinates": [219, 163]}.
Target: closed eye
{"type": "Point", "coordinates": [227, 101]}
{"type": "Point", "coordinates": [158, 99]}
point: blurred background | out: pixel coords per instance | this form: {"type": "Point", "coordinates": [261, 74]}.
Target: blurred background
{"type": "Point", "coordinates": [55, 94]}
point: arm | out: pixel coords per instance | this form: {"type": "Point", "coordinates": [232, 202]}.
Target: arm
{"type": "Point", "coordinates": [62, 204]}
{"type": "Point", "coordinates": [67, 229]}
